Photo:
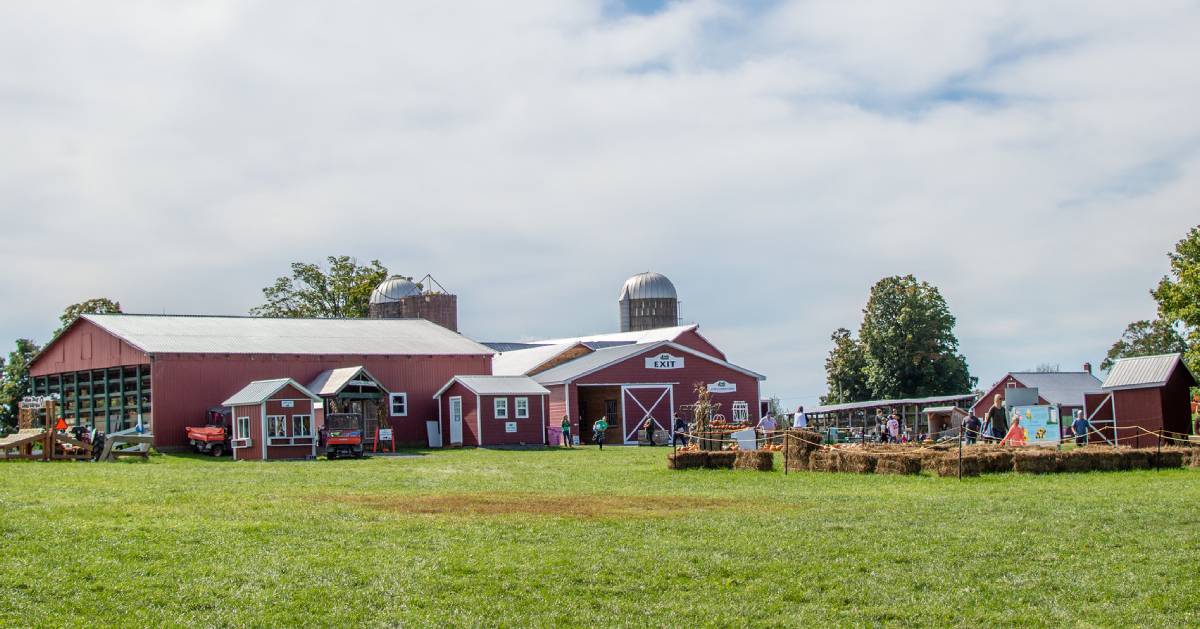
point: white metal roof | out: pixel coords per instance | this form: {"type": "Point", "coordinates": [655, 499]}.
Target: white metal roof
{"type": "Point", "coordinates": [331, 381]}
{"type": "Point", "coordinates": [192, 334]}
{"type": "Point", "coordinates": [641, 336]}
{"type": "Point", "coordinates": [601, 358]}
{"type": "Point", "coordinates": [260, 391]}
{"type": "Point", "coordinates": [520, 362]}
{"type": "Point", "coordinates": [497, 385]}
{"type": "Point", "coordinates": [1060, 387]}
{"type": "Point", "coordinates": [1142, 371]}
{"type": "Point", "coordinates": [853, 406]}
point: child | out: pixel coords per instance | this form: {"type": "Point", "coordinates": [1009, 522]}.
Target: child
{"type": "Point", "coordinates": [566, 430]}
{"type": "Point", "coordinates": [598, 429]}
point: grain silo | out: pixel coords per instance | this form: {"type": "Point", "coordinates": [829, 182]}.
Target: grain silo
{"type": "Point", "coordinates": [648, 301]}
{"type": "Point", "coordinates": [399, 297]}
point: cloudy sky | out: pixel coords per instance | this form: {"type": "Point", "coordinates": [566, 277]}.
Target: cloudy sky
{"type": "Point", "coordinates": [1034, 160]}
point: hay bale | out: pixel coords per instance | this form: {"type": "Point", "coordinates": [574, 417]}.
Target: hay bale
{"type": "Point", "coordinates": [720, 459]}
{"type": "Point", "coordinates": [899, 463]}
{"type": "Point", "coordinates": [947, 465]}
{"type": "Point", "coordinates": [1035, 461]}
{"type": "Point", "coordinates": [801, 443]}
{"type": "Point", "coordinates": [1134, 459]}
{"type": "Point", "coordinates": [857, 461]}
{"type": "Point", "coordinates": [1169, 458]}
{"type": "Point", "coordinates": [1077, 461]}
{"type": "Point", "coordinates": [758, 460]}
{"type": "Point", "coordinates": [823, 461]}
{"type": "Point", "coordinates": [794, 462]}
{"type": "Point", "coordinates": [686, 460]}
{"type": "Point", "coordinates": [996, 461]}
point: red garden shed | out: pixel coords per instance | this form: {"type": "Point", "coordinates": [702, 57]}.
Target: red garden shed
{"type": "Point", "coordinates": [274, 419]}
{"type": "Point", "coordinates": [1145, 394]}
{"type": "Point", "coordinates": [492, 410]}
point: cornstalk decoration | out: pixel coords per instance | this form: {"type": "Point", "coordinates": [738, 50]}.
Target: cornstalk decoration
{"type": "Point", "coordinates": [703, 412]}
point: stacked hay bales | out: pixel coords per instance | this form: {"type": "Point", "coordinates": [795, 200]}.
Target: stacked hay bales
{"type": "Point", "coordinates": [685, 460]}
{"type": "Point", "coordinates": [799, 445]}
{"type": "Point", "coordinates": [1135, 459]}
{"type": "Point", "coordinates": [1035, 461]}
{"type": "Point", "coordinates": [721, 459]}
{"type": "Point", "coordinates": [758, 460]}
{"type": "Point", "coordinates": [948, 464]}
{"type": "Point", "coordinates": [824, 461]}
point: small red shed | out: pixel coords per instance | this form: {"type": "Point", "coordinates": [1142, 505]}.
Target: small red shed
{"type": "Point", "coordinates": [1148, 394]}
{"type": "Point", "coordinates": [274, 419]}
{"type": "Point", "coordinates": [492, 411]}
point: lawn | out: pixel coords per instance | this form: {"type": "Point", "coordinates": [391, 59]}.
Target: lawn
{"type": "Point", "coordinates": [587, 538]}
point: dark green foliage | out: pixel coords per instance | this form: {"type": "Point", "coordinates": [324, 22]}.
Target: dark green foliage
{"type": "Point", "coordinates": [14, 380]}
{"type": "Point", "coordinates": [1178, 294]}
{"type": "Point", "coordinates": [845, 370]}
{"type": "Point", "coordinates": [342, 291]}
{"type": "Point", "coordinates": [1145, 338]}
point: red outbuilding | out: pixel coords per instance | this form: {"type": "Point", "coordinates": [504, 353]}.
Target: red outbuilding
{"type": "Point", "coordinates": [1144, 395]}
{"type": "Point", "coordinates": [168, 370]}
{"type": "Point", "coordinates": [1064, 389]}
{"type": "Point", "coordinates": [492, 411]}
{"type": "Point", "coordinates": [274, 419]}
{"type": "Point", "coordinates": [630, 384]}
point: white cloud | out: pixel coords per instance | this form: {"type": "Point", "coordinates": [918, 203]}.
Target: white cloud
{"type": "Point", "coordinates": [1034, 160]}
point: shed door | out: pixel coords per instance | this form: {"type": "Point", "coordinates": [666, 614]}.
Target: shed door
{"type": "Point", "coordinates": [642, 402]}
{"type": "Point", "coordinates": [456, 416]}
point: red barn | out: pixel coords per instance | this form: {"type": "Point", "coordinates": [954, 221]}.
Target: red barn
{"type": "Point", "coordinates": [492, 410]}
{"type": "Point", "coordinates": [1064, 389]}
{"type": "Point", "coordinates": [630, 384]}
{"type": "Point", "coordinates": [274, 419]}
{"type": "Point", "coordinates": [169, 370]}
{"type": "Point", "coordinates": [1145, 394]}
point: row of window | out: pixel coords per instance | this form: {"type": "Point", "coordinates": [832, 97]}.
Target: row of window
{"type": "Point", "coordinates": [277, 426]}
{"type": "Point", "coordinates": [500, 407]}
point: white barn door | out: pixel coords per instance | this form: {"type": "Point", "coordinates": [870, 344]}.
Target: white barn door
{"type": "Point", "coordinates": [456, 419]}
{"type": "Point", "coordinates": [640, 402]}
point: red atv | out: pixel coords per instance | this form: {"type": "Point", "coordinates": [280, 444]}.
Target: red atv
{"type": "Point", "coordinates": [344, 435]}
{"type": "Point", "coordinates": [213, 436]}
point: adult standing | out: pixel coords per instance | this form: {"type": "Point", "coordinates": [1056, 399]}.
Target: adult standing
{"type": "Point", "coordinates": [650, 431]}
{"type": "Point", "coordinates": [893, 429]}
{"type": "Point", "coordinates": [997, 418]}
{"type": "Point", "coordinates": [566, 430]}
{"type": "Point", "coordinates": [681, 430]}
{"type": "Point", "coordinates": [598, 429]}
{"type": "Point", "coordinates": [971, 426]}
{"type": "Point", "coordinates": [1080, 427]}
{"type": "Point", "coordinates": [767, 426]}
{"type": "Point", "coordinates": [801, 421]}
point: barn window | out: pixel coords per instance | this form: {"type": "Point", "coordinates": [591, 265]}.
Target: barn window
{"type": "Point", "coordinates": [301, 425]}
{"type": "Point", "coordinates": [741, 411]}
{"type": "Point", "coordinates": [500, 405]}
{"type": "Point", "coordinates": [276, 425]}
{"type": "Point", "coordinates": [243, 428]}
{"type": "Point", "coordinates": [522, 408]}
{"type": "Point", "coordinates": [398, 403]}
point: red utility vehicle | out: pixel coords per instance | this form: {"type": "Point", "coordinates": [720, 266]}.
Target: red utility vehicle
{"type": "Point", "coordinates": [213, 436]}
{"type": "Point", "coordinates": [344, 435]}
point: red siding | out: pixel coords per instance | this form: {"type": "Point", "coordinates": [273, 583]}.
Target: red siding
{"type": "Point", "coordinates": [633, 370]}
{"type": "Point", "coordinates": [529, 431]}
{"type": "Point", "coordinates": [185, 385]}
{"type": "Point", "coordinates": [85, 346]}
{"type": "Point", "coordinates": [254, 452]}
{"type": "Point", "coordinates": [692, 340]}
{"type": "Point", "coordinates": [1176, 401]}
{"type": "Point", "coordinates": [1138, 407]}
{"type": "Point", "coordinates": [470, 438]}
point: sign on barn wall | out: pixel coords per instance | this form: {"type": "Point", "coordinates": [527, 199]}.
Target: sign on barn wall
{"type": "Point", "coordinates": [664, 361]}
{"type": "Point", "coordinates": [721, 386]}
{"type": "Point", "coordinates": [510, 426]}
{"type": "Point", "coordinates": [289, 403]}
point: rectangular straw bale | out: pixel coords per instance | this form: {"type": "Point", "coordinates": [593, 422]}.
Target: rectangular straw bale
{"type": "Point", "coordinates": [823, 461]}
{"type": "Point", "coordinates": [996, 461]}
{"type": "Point", "coordinates": [1170, 457]}
{"type": "Point", "coordinates": [1035, 461]}
{"type": "Point", "coordinates": [721, 459]}
{"type": "Point", "coordinates": [797, 462]}
{"type": "Point", "coordinates": [898, 463]}
{"type": "Point", "coordinates": [1077, 460]}
{"type": "Point", "coordinates": [802, 441]}
{"type": "Point", "coordinates": [1134, 459]}
{"type": "Point", "coordinates": [758, 460]}
{"type": "Point", "coordinates": [857, 461]}
{"type": "Point", "coordinates": [947, 465]}
{"type": "Point", "coordinates": [686, 460]}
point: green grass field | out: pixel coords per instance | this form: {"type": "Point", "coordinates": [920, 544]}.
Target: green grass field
{"type": "Point", "coordinates": [587, 538]}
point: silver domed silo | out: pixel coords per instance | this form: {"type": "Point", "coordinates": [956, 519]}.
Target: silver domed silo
{"type": "Point", "coordinates": [648, 301]}
{"type": "Point", "coordinates": [399, 297]}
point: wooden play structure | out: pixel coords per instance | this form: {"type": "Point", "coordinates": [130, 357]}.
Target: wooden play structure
{"type": "Point", "coordinates": [43, 435]}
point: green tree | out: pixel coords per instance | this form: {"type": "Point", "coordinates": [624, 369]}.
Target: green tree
{"type": "Point", "coordinates": [98, 305]}
{"type": "Point", "coordinates": [908, 342]}
{"type": "Point", "coordinates": [14, 380]}
{"type": "Point", "coordinates": [1145, 338]}
{"type": "Point", "coordinates": [845, 370]}
{"type": "Point", "coordinates": [342, 291]}
{"type": "Point", "coordinates": [1178, 294]}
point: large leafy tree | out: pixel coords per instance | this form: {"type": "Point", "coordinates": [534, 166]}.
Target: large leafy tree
{"type": "Point", "coordinates": [1178, 294]}
{"type": "Point", "coordinates": [908, 342]}
{"type": "Point", "coordinates": [14, 380]}
{"type": "Point", "coordinates": [845, 370]}
{"type": "Point", "coordinates": [342, 289]}
{"type": "Point", "coordinates": [98, 305]}
{"type": "Point", "coordinates": [1145, 338]}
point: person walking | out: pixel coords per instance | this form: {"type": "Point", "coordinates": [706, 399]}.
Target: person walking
{"type": "Point", "coordinates": [971, 427]}
{"type": "Point", "coordinates": [997, 419]}
{"type": "Point", "coordinates": [1080, 427]}
{"type": "Point", "coordinates": [1015, 435]}
{"type": "Point", "coordinates": [679, 436]}
{"type": "Point", "coordinates": [566, 431]}
{"type": "Point", "coordinates": [598, 429]}
{"type": "Point", "coordinates": [649, 431]}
